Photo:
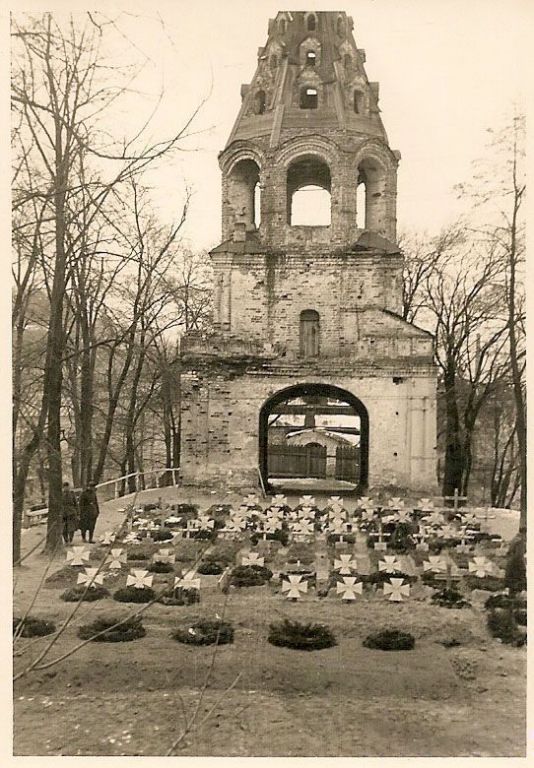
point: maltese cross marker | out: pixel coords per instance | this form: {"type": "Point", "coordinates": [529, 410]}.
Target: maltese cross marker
{"type": "Point", "coordinates": [345, 564]}
{"type": "Point", "coordinates": [349, 588]}
{"type": "Point", "coordinates": [139, 579]}
{"type": "Point", "coordinates": [252, 558]}
{"type": "Point", "coordinates": [480, 566]}
{"type": "Point", "coordinates": [396, 590]}
{"type": "Point", "coordinates": [116, 559]}
{"type": "Point", "coordinates": [77, 556]}
{"type": "Point", "coordinates": [91, 577]}
{"type": "Point", "coordinates": [294, 586]}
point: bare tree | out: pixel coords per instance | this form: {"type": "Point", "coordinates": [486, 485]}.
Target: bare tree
{"type": "Point", "coordinates": [60, 89]}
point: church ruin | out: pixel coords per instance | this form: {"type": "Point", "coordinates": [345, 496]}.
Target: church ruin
{"type": "Point", "coordinates": [308, 337]}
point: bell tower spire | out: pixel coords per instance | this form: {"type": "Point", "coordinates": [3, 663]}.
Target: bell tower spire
{"type": "Point", "coordinates": [310, 116]}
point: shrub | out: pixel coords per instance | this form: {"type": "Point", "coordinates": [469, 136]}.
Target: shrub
{"type": "Point", "coordinates": [401, 538]}
{"type": "Point", "coordinates": [210, 568]}
{"type": "Point", "coordinates": [502, 625]}
{"type": "Point", "coordinates": [300, 637]}
{"type": "Point", "coordinates": [249, 575]}
{"type": "Point", "coordinates": [204, 534]}
{"type": "Point", "coordinates": [179, 596]}
{"type": "Point", "coordinates": [449, 598]}
{"type": "Point", "coordinates": [138, 555]}
{"type": "Point", "coordinates": [158, 567]}
{"type": "Point", "coordinates": [490, 583]}
{"type": "Point", "coordinates": [205, 632]}
{"type": "Point", "coordinates": [161, 534]}
{"type": "Point", "coordinates": [65, 577]}
{"type": "Point", "coordinates": [134, 595]}
{"type": "Point", "coordinates": [32, 627]}
{"type": "Point", "coordinates": [79, 592]}
{"type": "Point", "coordinates": [127, 629]}
{"type": "Point", "coordinates": [390, 640]}
{"type": "Point", "coordinates": [503, 600]}
{"type": "Point", "coordinates": [381, 577]}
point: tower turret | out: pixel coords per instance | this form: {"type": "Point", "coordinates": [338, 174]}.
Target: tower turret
{"type": "Point", "coordinates": [309, 118]}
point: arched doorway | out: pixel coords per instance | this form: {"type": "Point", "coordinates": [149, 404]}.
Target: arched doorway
{"type": "Point", "coordinates": [313, 408]}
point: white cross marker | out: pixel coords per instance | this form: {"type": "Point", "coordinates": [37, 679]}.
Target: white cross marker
{"type": "Point", "coordinates": [435, 563]}
{"type": "Point", "coordinates": [139, 579]}
{"type": "Point", "coordinates": [252, 558]}
{"type": "Point", "coordinates": [480, 566]}
{"type": "Point", "coordinates": [349, 588]}
{"type": "Point", "coordinates": [396, 589]}
{"type": "Point", "coordinates": [116, 558]}
{"type": "Point", "coordinates": [77, 555]}
{"type": "Point", "coordinates": [345, 564]}
{"type": "Point", "coordinates": [91, 577]}
{"type": "Point", "coordinates": [390, 564]}
{"type": "Point", "coordinates": [294, 586]}
{"type": "Point", "coordinates": [164, 556]}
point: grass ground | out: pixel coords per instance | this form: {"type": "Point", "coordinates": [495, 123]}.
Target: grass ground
{"type": "Point", "coordinates": [131, 699]}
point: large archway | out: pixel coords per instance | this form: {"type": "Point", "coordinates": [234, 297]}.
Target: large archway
{"type": "Point", "coordinates": [320, 412]}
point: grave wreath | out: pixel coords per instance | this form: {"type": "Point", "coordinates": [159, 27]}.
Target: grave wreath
{"type": "Point", "coordinates": [127, 629]}
{"type": "Point", "coordinates": [32, 627]}
{"type": "Point", "coordinates": [449, 598]}
{"type": "Point", "coordinates": [249, 576]}
{"type": "Point", "coordinates": [79, 592]}
{"type": "Point", "coordinates": [210, 568]}
{"type": "Point", "coordinates": [161, 534]}
{"type": "Point", "coordinates": [301, 637]}
{"type": "Point", "coordinates": [390, 640]}
{"type": "Point", "coordinates": [205, 632]}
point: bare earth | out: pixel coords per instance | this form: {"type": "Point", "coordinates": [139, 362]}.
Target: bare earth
{"type": "Point", "coordinates": [131, 698]}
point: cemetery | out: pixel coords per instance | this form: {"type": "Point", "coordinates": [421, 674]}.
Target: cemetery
{"type": "Point", "coordinates": [395, 601]}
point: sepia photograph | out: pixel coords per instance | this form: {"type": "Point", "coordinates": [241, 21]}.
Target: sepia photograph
{"type": "Point", "coordinates": [268, 378]}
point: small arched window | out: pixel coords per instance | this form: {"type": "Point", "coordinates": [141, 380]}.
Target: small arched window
{"type": "Point", "coordinates": [347, 61]}
{"type": "Point", "coordinates": [282, 26]}
{"type": "Point", "coordinates": [312, 23]}
{"type": "Point", "coordinates": [309, 98]}
{"type": "Point", "coordinates": [358, 102]}
{"type": "Point", "coordinates": [309, 333]}
{"type": "Point", "coordinates": [260, 102]}
{"type": "Point", "coordinates": [311, 58]}
{"type": "Point", "coordinates": [340, 27]}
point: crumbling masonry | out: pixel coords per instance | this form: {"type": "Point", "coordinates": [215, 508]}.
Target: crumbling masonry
{"type": "Point", "coordinates": [310, 117]}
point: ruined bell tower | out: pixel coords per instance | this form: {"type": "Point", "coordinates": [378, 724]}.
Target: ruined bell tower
{"type": "Point", "coordinates": [309, 311]}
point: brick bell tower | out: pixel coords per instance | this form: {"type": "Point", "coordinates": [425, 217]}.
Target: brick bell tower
{"type": "Point", "coordinates": [309, 313]}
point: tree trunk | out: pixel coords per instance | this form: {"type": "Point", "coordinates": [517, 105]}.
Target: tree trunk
{"type": "Point", "coordinates": [454, 459]}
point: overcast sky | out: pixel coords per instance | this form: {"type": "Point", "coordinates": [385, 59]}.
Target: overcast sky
{"type": "Point", "coordinates": [448, 70]}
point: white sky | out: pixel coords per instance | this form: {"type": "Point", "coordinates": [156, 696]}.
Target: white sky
{"type": "Point", "coordinates": [448, 69]}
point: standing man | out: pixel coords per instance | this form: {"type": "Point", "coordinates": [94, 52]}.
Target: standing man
{"type": "Point", "coordinates": [70, 513]}
{"type": "Point", "coordinates": [89, 511]}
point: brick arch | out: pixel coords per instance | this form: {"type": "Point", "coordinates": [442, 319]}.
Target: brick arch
{"type": "Point", "coordinates": [229, 160]}
{"type": "Point", "coordinates": [325, 390]}
{"type": "Point", "coordinates": [324, 149]}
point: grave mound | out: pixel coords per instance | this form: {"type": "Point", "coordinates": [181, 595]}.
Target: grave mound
{"type": "Point", "coordinates": [112, 629]}
{"type": "Point", "coordinates": [390, 640]}
{"type": "Point", "coordinates": [134, 595]}
{"type": "Point", "coordinates": [79, 592]}
{"type": "Point", "coordinates": [32, 627]}
{"type": "Point", "coordinates": [250, 575]}
{"type": "Point", "coordinates": [205, 632]}
{"type": "Point", "coordinates": [301, 637]}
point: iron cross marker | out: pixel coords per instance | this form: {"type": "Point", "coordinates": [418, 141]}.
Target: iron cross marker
{"type": "Point", "coordinates": [91, 577]}
{"type": "Point", "coordinates": [349, 588]}
{"type": "Point", "coordinates": [116, 559]}
{"type": "Point", "coordinates": [345, 564]}
{"type": "Point", "coordinates": [396, 590]}
{"type": "Point", "coordinates": [294, 586]}
{"type": "Point", "coordinates": [139, 579]}
{"type": "Point", "coordinates": [77, 556]}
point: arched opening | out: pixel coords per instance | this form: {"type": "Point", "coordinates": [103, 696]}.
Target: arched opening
{"type": "Point", "coordinates": [308, 193]}
{"type": "Point", "coordinates": [243, 181]}
{"type": "Point", "coordinates": [360, 206]}
{"type": "Point", "coordinates": [309, 98]}
{"type": "Point", "coordinates": [340, 26]}
{"type": "Point", "coordinates": [257, 205]}
{"type": "Point", "coordinates": [372, 178]}
{"type": "Point", "coordinates": [358, 103]}
{"type": "Point", "coordinates": [260, 102]}
{"type": "Point", "coordinates": [311, 58]}
{"type": "Point", "coordinates": [309, 341]}
{"type": "Point", "coordinates": [311, 23]}
{"type": "Point", "coordinates": [347, 61]}
{"type": "Point", "coordinates": [314, 436]}
{"type": "Point", "coordinates": [282, 25]}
